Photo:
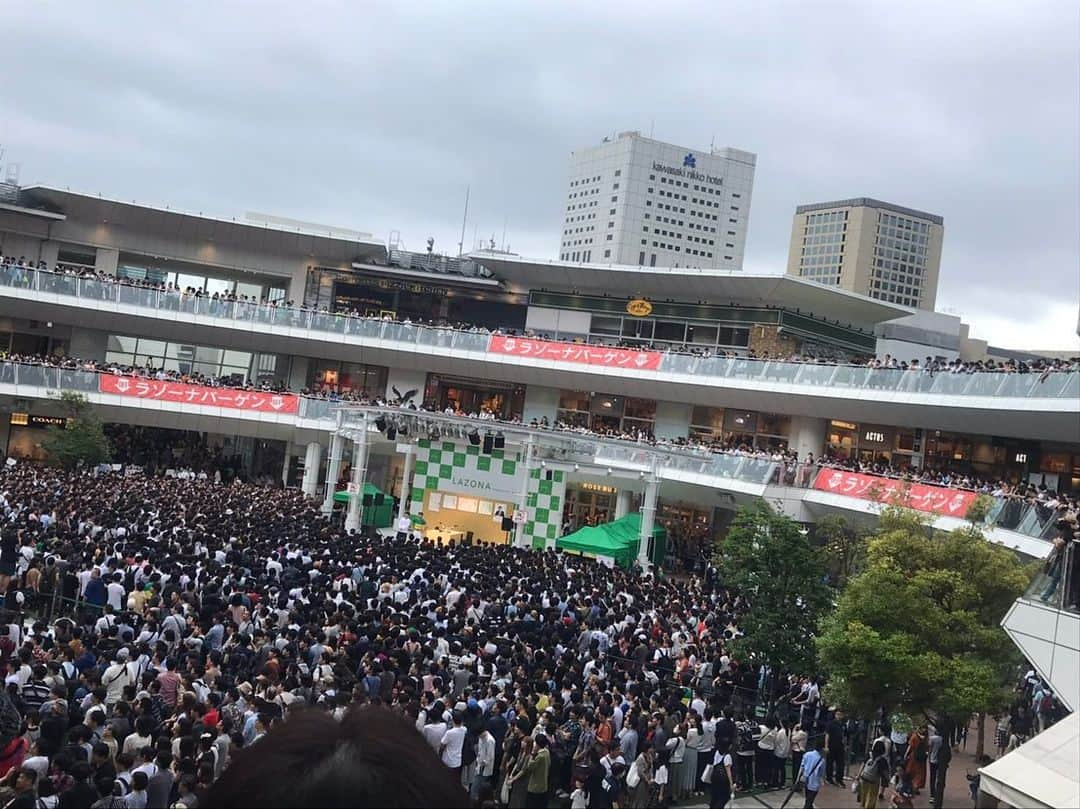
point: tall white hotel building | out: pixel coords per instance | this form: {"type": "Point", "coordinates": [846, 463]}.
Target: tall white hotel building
{"type": "Point", "coordinates": [638, 201]}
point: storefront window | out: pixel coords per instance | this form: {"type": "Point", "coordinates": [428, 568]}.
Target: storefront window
{"type": "Point", "coordinates": [843, 439]}
{"type": "Point", "coordinates": [706, 422]}
{"type": "Point", "coordinates": [348, 378]}
{"type": "Point", "coordinates": [185, 358]}
{"type": "Point", "coordinates": [772, 425]}
{"type": "Point", "coordinates": [505, 401]}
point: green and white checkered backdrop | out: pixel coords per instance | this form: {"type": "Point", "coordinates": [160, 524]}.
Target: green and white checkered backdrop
{"type": "Point", "coordinates": [437, 462]}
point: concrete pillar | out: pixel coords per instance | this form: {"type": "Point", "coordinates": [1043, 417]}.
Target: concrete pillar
{"type": "Point", "coordinates": [406, 481]}
{"type": "Point", "coordinates": [648, 519]}
{"type": "Point", "coordinates": [540, 403]}
{"type": "Point", "coordinates": [49, 252]}
{"type": "Point", "coordinates": [106, 260]}
{"type": "Point", "coordinates": [333, 470]}
{"type": "Point", "coordinates": [298, 373]}
{"type": "Point", "coordinates": [285, 466]}
{"type": "Point", "coordinates": [672, 420]}
{"type": "Point", "coordinates": [520, 540]}
{"type": "Point", "coordinates": [312, 464]}
{"type": "Point", "coordinates": [353, 518]}
{"type": "Point", "coordinates": [808, 436]}
{"type": "Point", "coordinates": [623, 499]}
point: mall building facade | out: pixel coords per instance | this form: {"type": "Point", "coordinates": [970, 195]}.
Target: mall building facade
{"type": "Point", "coordinates": [316, 314]}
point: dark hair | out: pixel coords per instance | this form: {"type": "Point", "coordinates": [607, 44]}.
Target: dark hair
{"type": "Point", "coordinates": [373, 757]}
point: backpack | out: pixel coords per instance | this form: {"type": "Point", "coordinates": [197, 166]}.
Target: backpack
{"type": "Point", "coordinates": [870, 772]}
{"type": "Point", "coordinates": [746, 739]}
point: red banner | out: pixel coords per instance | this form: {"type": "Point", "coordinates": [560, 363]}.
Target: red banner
{"type": "Point", "coordinates": [919, 496]}
{"type": "Point", "coordinates": [178, 392]}
{"type": "Point", "coordinates": [575, 352]}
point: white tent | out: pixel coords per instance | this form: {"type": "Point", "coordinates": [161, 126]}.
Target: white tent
{"type": "Point", "coordinates": [1042, 773]}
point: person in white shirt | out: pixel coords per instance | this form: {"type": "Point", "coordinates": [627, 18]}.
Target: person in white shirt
{"type": "Point", "coordinates": [485, 765]}
{"type": "Point", "coordinates": [404, 524]}
{"type": "Point", "coordinates": [115, 594]}
{"type": "Point", "coordinates": [452, 744]}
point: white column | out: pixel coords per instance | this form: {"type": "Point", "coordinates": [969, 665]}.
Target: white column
{"type": "Point", "coordinates": [285, 466]}
{"type": "Point", "coordinates": [406, 481]}
{"type": "Point", "coordinates": [648, 518]}
{"type": "Point", "coordinates": [359, 472]}
{"type": "Point", "coordinates": [807, 436]}
{"type": "Point", "coordinates": [520, 540]}
{"type": "Point", "coordinates": [312, 463]}
{"type": "Point", "coordinates": [623, 499]}
{"type": "Point", "coordinates": [337, 449]}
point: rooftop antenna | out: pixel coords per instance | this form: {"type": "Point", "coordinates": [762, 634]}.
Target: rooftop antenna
{"type": "Point", "coordinates": [504, 233]}
{"type": "Point", "coordinates": [464, 216]}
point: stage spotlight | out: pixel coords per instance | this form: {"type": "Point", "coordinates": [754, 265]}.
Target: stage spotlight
{"type": "Point", "coordinates": [391, 432]}
{"type": "Point", "coordinates": [380, 424]}
{"type": "Point", "coordinates": [500, 440]}
{"type": "Point", "coordinates": [474, 437]}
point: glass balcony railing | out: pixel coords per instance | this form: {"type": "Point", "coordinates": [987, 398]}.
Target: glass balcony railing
{"type": "Point", "coordinates": [1057, 385]}
{"type": "Point", "coordinates": [737, 467]}
{"type": "Point", "coordinates": [1057, 584]}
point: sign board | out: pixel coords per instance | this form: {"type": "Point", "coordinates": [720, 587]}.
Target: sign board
{"type": "Point", "coordinates": [639, 307]}
{"type": "Point", "coordinates": [180, 393]}
{"type": "Point", "coordinates": [575, 353]}
{"type": "Point", "coordinates": [917, 496]}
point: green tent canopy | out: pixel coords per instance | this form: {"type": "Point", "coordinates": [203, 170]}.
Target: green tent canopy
{"type": "Point", "coordinates": [617, 539]}
{"type": "Point", "coordinates": [381, 516]}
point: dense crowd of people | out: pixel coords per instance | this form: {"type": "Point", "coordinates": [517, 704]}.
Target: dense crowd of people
{"type": "Point", "coordinates": [190, 619]}
{"type": "Point", "coordinates": [17, 272]}
{"type": "Point", "coordinates": [159, 633]}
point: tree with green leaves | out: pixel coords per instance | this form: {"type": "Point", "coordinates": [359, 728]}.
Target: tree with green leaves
{"type": "Point", "coordinates": [81, 439]}
{"type": "Point", "coordinates": [844, 546]}
{"type": "Point", "coordinates": [768, 559]}
{"type": "Point", "coordinates": [918, 630]}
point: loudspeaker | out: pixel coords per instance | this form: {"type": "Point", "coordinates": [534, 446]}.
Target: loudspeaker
{"type": "Point", "coordinates": [474, 437]}
{"type": "Point", "coordinates": [507, 524]}
{"type": "Point", "coordinates": [548, 475]}
{"type": "Point", "coordinates": [489, 443]}
{"type": "Point", "coordinates": [500, 441]}
{"type": "Point", "coordinates": [366, 500]}
{"type": "Point", "coordinates": [380, 498]}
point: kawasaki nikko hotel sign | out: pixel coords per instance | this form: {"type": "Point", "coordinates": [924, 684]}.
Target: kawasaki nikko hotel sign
{"type": "Point", "coordinates": [688, 170]}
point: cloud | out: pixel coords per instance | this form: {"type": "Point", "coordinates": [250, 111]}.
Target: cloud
{"type": "Point", "coordinates": [378, 115]}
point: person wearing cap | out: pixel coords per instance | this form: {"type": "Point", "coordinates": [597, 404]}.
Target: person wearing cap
{"type": "Point", "coordinates": [115, 678]}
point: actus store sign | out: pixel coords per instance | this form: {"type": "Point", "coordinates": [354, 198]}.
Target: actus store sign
{"type": "Point", "coordinates": [639, 307]}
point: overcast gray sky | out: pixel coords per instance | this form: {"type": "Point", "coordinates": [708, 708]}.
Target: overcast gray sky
{"type": "Point", "coordinates": [375, 116]}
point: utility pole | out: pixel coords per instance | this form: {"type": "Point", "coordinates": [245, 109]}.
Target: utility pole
{"type": "Point", "coordinates": [464, 217]}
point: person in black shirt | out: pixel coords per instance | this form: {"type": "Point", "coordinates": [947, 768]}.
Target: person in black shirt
{"type": "Point", "coordinates": [834, 749]}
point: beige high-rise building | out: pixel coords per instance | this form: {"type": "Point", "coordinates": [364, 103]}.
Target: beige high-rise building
{"type": "Point", "coordinates": [871, 247]}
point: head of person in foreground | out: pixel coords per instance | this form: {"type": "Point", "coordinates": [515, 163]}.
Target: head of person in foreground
{"type": "Point", "coordinates": [373, 757]}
